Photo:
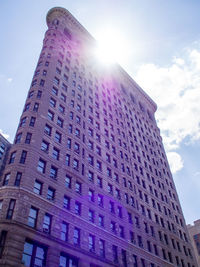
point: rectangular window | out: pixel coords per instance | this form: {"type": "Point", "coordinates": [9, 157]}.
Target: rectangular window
{"type": "Point", "coordinates": [102, 248]}
{"type": "Point", "coordinates": [6, 179]}
{"type": "Point", "coordinates": [23, 157]}
{"type": "Point", "coordinates": [18, 138]}
{"type": "Point", "coordinates": [37, 187]}
{"type": "Point", "coordinates": [18, 178]}
{"type": "Point", "coordinates": [58, 137]}
{"type": "Point", "coordinates": [64, 231]}
{"type": "Point", "coordinates": [91, 241]}
{"type": "Point", "coordinates": [41, 165]}
{"type": "Point", "coordinates": [11, 209]}
{"type": "Point", "coordinates": [32, 121]}
{"type": "Point", "coordinates": [78, 187]}
{"type": "Point", "coordinates": [34, 254]}
{"type": "Point", "coordinates": [47, 223]}
{"type": "Point", "coordinates": [32, 218]}
{"type": "Point", "coordinates": [68, 180]}
{"type": "Point", "coordinates": [77, 233]}
{"type": "Point", "coordinates": [50, 193]}
{"type": "Point", "coordinates": [115, 253]}
{"type": "Point", "coordinates": [2, 242]}
{"type": "Point", "coordinates": [53, 172]}
{"type": "Point", "coordinates": [66, 202]}
{"type": "Point", "coordinates": [56, 153]}
{"type": "Point", "coordinates": [48, 129]}
{"type": "Point", "coordinates": [28, 138]}
{"type": "Point", "coordinates": [12, 157]}
{"type": "Point", "coordinates": [77, 208]}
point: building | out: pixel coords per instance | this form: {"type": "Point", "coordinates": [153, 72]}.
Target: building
{"type": "Point", "coordinates": [87, 182]}
{"type": "Point", "coordinates": [4, 148]}
{"type": "Point", "coordinates": [194, 233]}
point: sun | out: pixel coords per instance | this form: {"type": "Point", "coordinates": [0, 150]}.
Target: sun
{"type": "Point", "coordinates": [111, 46]}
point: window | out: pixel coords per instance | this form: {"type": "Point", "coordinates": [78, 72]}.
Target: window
{"type": "Point", "coordinates": [67, 160]}
{"type": "Point", "coordinates": [66, 202]}
{"type": "Point", "coordinates": [113, 227]}
{"type": "Point", "coordinates": [45, 146]}
{"type": "Point", "coordinates": [99, 165]}
{"type": "Point", "coordinates": [78, 187]}
{"type": "Point", "coordinates": [47, 223]}
{"type": "Point", "coordinates": [18, 178]}
{"type": "Point", "coordinates": [77, 133]}
{"type": "Point", "coordinates": [11, 209]}
{"type": "Point", "coordinates": [77, 208]}
{"type": "Point", "coordinates": [115, 253]}
{"type": "Point", "coordinates": [28, 138]}
{"type": "Point", "coordinates": [75, 164]}
{"type": "Point", "coordinates": [99, 182]}
{"type": "Point", "coordinates": [22, 122]}
{"type": "Point", "coordinates": [64, 231]}
{"type": "Point", "coordinates": [67, 260]}
{"type": "Point", "coordinates": [91, 195]}
{"type": "Point", "coordinates": [34, 254]}
{"type": "Point", "coordinates": [135, 263]}
{"type": "Point", "coordinates": [77, 233]}
{"type": "Point", "coordinates": [6, 179]}
{"type": "Point", "coordinates": [91, 241]}
{"type": "Point", "coordinates": [36, 106]}
{"type": "Point", "coordinates": [60, 122]}
{"type": "Point", "coordinates": [32, 218]}
{"type": "Point", "coordinates": [12, 157]}
{"type": "Point", "coordinates": [77, 148]}
{"type": "Point", "coordinates": [102, 248]}
{"type": "Point", "coordinates": [98, 150]}
{"type": "Point", "coordinates": [2, 242]}
{"type": "Point", "coordinates": [101, 220]}
{"type": "Point", "coordinates": [91, 160]}
{"type": "Point", "coordinates": [119, 211]}
{"type": "Point", "coordinates": [110, 189]}
{"type": "Point", "coordinates": [41, 165]}
{"type": "Point", "coordinates": [58, 137]}
{"type": "Point", "coordinates": [53, 172]}
{"type": "Point", "coordinates": [121, 231]}
{"type": "Point", "coordinates": [54, 91]}
{"type": "Point", "coordinates": [56, 81]}
{"type": "Point", "coordinates": [68, 180]}
{"type": "Point", "coordinates": [100, 200]}
{"type": "Point", "coordinates": [39, 94]}
{"type": "Point", "coordinates": [50, 115]}
{"type": "Point", "coordinates": [37, 187]}
{"type": "Point", "coordinates": [32, 121]}
{"type": "Point", "coordinates": [47, 129]}
{"type": "Point", "coordinates": [50, 193]}
{"type": "Point", "coordinates": [18, 138]}
{"type": "Point", "coordinates": [23, 157]}
{"type": "Point", "coordinates": [56, 153]}
{"type": "Point", "coordinates": [124, 259]}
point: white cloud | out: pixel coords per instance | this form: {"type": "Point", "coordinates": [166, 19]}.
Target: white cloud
{"type": "Point", "coordinates": [175, 161]}
{"type": "Point", "coordinates": [9, 80]}
{"type": "Point", "coordinates": [176, 90]}
{"type": "Point", "coordinates": [4, 134]}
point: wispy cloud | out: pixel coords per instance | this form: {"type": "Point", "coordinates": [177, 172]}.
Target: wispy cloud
{"type": "Point", "coordinates": [176, 90]}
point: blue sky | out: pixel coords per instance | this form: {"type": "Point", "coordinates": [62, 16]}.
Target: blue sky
{"type": "Point", "coordinates": [163, 57]}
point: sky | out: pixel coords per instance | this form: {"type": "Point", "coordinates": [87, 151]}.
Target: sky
{"type": "Point", "coordinates": [161, 52]}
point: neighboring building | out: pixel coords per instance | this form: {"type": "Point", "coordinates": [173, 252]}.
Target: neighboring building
{"type": "Point", "coordinates": [194, 233]}
{"type": "Point", "coordinates": [87, 182]}
{"type": "Point", "coordinates": [4, 148]}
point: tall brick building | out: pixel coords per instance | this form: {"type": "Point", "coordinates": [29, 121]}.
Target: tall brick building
{"type": "Point", "coordinates": [87, 182]}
